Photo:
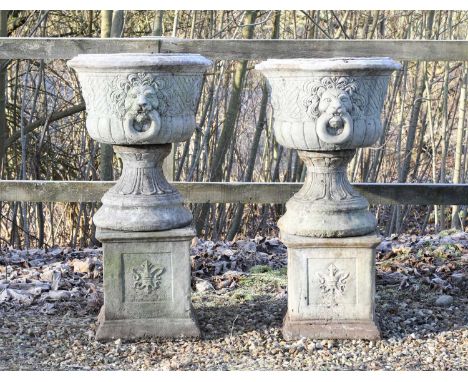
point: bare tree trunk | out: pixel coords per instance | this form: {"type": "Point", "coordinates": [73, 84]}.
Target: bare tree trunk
{"type": "Point", "coordinates": [158, 23]}
{"type": "Point", "coordinates": [388, 117]}
{"type": "Point", "coordinates": [236, 220]}
{"type": "Point", "coordinates": [107, 153]}
{"type": "Point", "coordinates": [3, 92]}
{"type": "Point", "coordinates": [90, 24]}
{"type": "Point", "coordinates": [37, 161]}
{"type": "Point", "coordinates": [375, 21]}
{"type": "Point", "coordinates": [184, 157]}
{"type": "Point", "coordinates": [231, 115]}
{"type": "Point", "coordinates": [445, 117]}
{"type": "Point", "coordinates": [415, 111]}
{"type": "Point", "coordinates": [234, 105]}
{"type": "Point", "coordinates": [444, 141]}
{"type": "Point", "coordinates": [3, 89]}
{"type": "Point", "coordinates": [197, 145]}
{"type": "Point", "coordinates": [176, 22]}
{"type": "Point", "coordinates": [413, 123]}
{"type": "Point", "coordinates": [456, 223]}
{"type": "Point", "coordinates": [24, 157]}
{"type": "Point", "coordinates": [192, 24]}
{"type": "Point", "coordinates": [395, 210]}
{"type": "Point", "coordinates": [106, 23]}
{"type": "Point", "coordinates": [118, 18]}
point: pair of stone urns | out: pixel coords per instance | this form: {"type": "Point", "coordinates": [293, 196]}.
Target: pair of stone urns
{"type": "Point", "coordinates": [324, 108]}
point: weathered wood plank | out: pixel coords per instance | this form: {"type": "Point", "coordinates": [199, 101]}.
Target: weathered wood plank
{"type": "Point", "coordinates": [429, 50]}
{"type": "Point", "coordinates": [55, 48]}
{"type": "Point", "coordinates": [194, 192]}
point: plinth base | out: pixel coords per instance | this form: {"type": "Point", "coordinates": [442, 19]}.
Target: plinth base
{"type": "Point", "coordinates": [146, 327]}
{"type": "Point", "coordinates": [147, 290]}
{"type": "Point", "coordinates": [323, 329]}
{"type": "Point", "coordinates": [331, 287]}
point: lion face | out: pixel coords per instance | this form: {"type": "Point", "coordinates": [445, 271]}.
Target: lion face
{"type": "Point", "coordinates": [137, 100]}
{"type": "Point", "coordinates": [141, 102]}
{"type": "Point", "coordinates": [335, 103]}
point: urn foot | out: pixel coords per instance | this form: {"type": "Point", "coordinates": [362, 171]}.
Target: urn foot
{"type": "Point", "coordinates": [142, 199]}
{"type": "Point", "coordinates": [146, 214]}
{"type": "Point", "coordinates": [327, 205]}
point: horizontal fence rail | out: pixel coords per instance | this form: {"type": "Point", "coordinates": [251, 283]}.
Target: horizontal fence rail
{"type": "Point", "coordinates": [201, 192]}
{"type": "Point", "coordinates": [220, 192]}
{"type": "Point", "coordinates": [56, 48]}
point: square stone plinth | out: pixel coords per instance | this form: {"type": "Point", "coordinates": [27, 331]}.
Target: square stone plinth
{"type": "Point", "coordinates": [331, 287]}
{"type": "Point", "coordinates": [147, 290]}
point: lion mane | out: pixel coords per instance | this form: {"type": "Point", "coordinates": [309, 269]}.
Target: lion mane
{"type": "Point", "coordinates": [315, 89]}
{"type": "Point", "coordinates": [121, 89]}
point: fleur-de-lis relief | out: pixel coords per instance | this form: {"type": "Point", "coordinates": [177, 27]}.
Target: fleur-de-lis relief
{"type": "Point", "coordinates": [147, 277]}
{"type": "Point", "coordinates": [332, 284]}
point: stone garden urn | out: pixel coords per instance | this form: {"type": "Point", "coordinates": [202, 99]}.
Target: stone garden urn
{"type": "Point", "coordinates": [326, 109]}
{"type": "Point", "coordinates": [141, 104]}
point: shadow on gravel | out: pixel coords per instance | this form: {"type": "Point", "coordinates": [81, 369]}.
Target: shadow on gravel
{"type": "Point", "coordinates": [400, 314]}
{"type": "Point", "coordinates": [403, 313]}
{"type": "Point", "coordinates": [259, 313]}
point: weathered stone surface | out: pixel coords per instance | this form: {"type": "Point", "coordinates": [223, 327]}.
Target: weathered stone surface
{"type": "Point", "coordinates": [444, 300]}
{"type": "Point", "coordinates": [327, 205]}
{"type": "Point", "coordinates": [331, 286]}
{"type": "Point", "coordinates": [140, 98]}
{"type": "Point", "coordinates": [142, 199]}
{"type": "Point", "coordinates": [147, 288]}
{"type": "Point", "coordinates": [141, 103]}
{"type": "Point", "coordinates": [326, 108]}
{"type": "Point", "coordinates": [327, 104]}
{"type": "Point", "coordinates": [319, 329]}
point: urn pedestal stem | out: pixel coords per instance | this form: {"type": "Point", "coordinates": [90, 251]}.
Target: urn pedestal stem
{"type": "Point", "coordinates": [142, 199]}
{"type": "Point", "coordinates": [327, 205]}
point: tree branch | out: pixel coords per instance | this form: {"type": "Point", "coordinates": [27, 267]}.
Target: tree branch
{"type": "Point", "coordinates": [39, 122]}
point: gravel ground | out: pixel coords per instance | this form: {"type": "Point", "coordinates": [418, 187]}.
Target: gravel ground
{"type": "Point", "coordinates": [239, 298]}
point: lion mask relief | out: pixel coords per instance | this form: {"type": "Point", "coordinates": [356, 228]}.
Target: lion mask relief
{"type": "Point", "coordinates": [138, 102]}
{"type": "Point", "coordinates": [331, 102]}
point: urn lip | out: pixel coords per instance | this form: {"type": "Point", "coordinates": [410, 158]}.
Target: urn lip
{"type": "Point", "coordinates": [165, 62]}
{"type": "Point", "coordinates": [334, 64]}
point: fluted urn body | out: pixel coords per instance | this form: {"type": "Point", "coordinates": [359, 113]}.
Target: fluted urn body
{"type": "Point", "coordinates": [326, 108]}
{"type": "Point", "coordinates": [141, 103]}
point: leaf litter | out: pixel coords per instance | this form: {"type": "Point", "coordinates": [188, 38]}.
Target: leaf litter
{"type": "Point", "coordinates": [49, 301]}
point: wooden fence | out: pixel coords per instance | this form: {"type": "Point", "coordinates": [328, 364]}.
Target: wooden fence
{"type": "Point", "coordinates": [194, 192]}
{"type": "Point", "coordinates": [55, 48]}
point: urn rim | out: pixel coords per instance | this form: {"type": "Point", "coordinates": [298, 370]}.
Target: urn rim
{"type": "Point", "coordinates": [171, 62]}
{"type": "Point", "coordinates": [333, 64]}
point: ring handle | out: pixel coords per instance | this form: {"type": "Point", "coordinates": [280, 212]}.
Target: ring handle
{"type": "Point", "coordinates": [338, 139]}
{"type": "Point", "coordinates": [134, 136]}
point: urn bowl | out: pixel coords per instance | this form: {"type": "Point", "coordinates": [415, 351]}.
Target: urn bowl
{"type": "Point", "coordinates": [327, 104]}
{"type": "Point", "coordinates": [135, 99]}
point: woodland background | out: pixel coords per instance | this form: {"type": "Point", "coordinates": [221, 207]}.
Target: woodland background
{"type": "Point", "coordinates": [43, 134]}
